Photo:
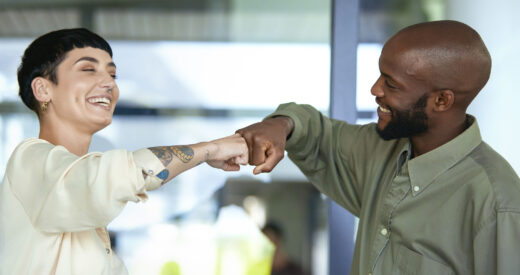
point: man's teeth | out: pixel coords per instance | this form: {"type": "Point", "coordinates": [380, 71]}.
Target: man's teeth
{"type": "Point", "coordinates": [102, 100]}
{"type": "Point", "coordinates": [384, 110]}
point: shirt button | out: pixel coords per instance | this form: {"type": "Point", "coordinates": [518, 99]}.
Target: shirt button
{"type": "Point", "coordinates": [108, 250]}
{"type": "Point", "coordinates": [384, 231]}
{"type": "Point", "coordinates": [150, 172]}
{"type": "Point", "coordinates": [416, 188]}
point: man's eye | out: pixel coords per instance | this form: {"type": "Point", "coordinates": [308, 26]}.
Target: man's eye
{"type": "Point", "coordinates": [114, 76]}
{"type": "Point", "coordinates": [88, 70]}
{"type": "Point", "coordinates": [389, 86]}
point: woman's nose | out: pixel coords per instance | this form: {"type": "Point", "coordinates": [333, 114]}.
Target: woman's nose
{"type": "Point", "coordinates": [108, 81]}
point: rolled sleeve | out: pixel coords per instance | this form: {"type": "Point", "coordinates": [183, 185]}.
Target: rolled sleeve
{"type": "Point", "coordinates": [61, 192]}
{"type": "Point", "coordinates": [150, 165]}
{"type": "Point", "coordinates": [316, 145]}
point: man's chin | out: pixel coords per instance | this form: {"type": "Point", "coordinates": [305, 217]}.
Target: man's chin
{"type": "Point", "coordinates": [387, 133]}
{"type": "Point", "coordinates": [384, 135]}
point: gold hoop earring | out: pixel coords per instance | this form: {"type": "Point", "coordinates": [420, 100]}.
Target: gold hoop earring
{"type": "Point", "coordinates": [44, 106]}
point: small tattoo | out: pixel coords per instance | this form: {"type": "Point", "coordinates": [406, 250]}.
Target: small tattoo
{"type": "Point", "coordinates": [165, 154]}
{"type": "Point", "coordinates": [205, 160]}
{"type": "Point", "coordinates": [163, 174]}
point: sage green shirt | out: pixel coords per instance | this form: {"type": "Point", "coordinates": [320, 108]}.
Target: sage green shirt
{"type": "Point", "coordinates": [453, 210]}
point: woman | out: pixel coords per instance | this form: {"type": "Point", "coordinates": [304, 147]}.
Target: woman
{"type": "Point", "coordinates": [56, 198]}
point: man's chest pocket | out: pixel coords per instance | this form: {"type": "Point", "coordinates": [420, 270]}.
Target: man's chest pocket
{"type": "Point", "coordinates": [408, 262]}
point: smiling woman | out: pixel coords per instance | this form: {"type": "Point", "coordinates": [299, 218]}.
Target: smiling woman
{"type": "Point", "coordinates": [56, 199]}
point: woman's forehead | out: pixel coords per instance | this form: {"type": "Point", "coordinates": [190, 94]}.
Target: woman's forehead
{"type": "Point", "coordinates": [98, 54]}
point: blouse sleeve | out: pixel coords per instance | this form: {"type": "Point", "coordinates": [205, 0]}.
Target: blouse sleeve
{"type": "Point", "coordinates": [62, 192]}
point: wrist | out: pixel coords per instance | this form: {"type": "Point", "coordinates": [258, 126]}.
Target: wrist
{"type": "Point", "coordinates": [210, 150]}
{"type": "Point", "coordinates": [288, 125]}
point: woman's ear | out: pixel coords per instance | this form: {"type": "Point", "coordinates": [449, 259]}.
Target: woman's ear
{"type": "Point", "coordinates": [443, 100]}
{"type": "Point", "coordinates": [41, 89]}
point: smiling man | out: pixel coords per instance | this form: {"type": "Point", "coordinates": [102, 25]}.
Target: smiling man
{"type": "Point", "coordinates": [431, 196]}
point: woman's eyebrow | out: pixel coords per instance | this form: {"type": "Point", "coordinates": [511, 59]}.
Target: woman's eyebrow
{"type": "Point", "coordinates": [87, 58]}
{"type": "Point", "coordinates": [94, 60]}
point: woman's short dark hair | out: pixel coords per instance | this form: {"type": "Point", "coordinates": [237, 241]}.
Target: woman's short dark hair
{"type": "Point", "coordinates": [43, 55]}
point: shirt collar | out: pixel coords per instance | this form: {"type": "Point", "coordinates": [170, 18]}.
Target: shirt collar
{"type": "Point", "coordinates": [424, 169]}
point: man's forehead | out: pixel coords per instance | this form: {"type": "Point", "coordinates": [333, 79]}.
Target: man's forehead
{"type": "Point", "coordinates": [402, 63]}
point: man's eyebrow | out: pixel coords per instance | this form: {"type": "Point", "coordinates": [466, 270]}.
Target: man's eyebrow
{"type": "Point", "coordinates": [388, 76]}
{"type": "Point", "coordinates": [92, 59]}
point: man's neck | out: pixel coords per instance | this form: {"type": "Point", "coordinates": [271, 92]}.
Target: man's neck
{"type": "Point", "coordinates": [438, 135]}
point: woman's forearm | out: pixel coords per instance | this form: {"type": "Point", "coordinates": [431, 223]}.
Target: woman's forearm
{"type": "Point", "coordinates": [225, 153]}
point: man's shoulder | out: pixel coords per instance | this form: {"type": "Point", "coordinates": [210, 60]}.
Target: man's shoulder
{"type": "Point", "coordinates": [498, 176]}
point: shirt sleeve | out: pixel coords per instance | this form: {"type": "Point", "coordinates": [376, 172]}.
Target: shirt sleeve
{"type": "Point", "coordinates": [321, 147]}
{"type": "Point", "coordinates": [61, 192]}
{"type": "Point", "coordinates": [496, 245]}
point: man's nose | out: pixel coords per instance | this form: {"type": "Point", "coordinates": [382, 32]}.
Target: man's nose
{"type": "Point", "coordinates": [376, 89]}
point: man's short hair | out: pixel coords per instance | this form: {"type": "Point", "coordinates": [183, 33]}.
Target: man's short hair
{"type": "Point", "coordinates": [43, 55]}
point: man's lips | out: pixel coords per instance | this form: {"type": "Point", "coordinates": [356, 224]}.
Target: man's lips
{"type": "Point", "coordinates": [383, 109]}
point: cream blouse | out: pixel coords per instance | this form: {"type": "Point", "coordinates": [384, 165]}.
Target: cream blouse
{"type": "Point", "coordinates": [55, 206]}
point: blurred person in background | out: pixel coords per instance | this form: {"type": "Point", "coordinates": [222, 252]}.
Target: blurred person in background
{"type": "Point", "coordinates": [56, 199]}
{"type": "Point", "coordinates": [282, 264]}
{"type": "Point", "coordinates": [431, 196]}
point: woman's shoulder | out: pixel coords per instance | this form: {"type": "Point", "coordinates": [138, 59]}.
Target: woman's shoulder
{"type": "Point", "coordinates": [30, 144]}
{"type": "Point", "coordinates": [30, 141]}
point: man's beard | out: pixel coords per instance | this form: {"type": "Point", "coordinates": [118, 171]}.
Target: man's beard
{"type": "Point", "coordinates": [406, 123]}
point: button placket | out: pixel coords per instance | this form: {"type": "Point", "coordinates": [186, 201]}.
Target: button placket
{"type": "Point", "coordinates": [398, 191]}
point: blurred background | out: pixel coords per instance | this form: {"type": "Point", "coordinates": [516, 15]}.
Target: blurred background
{"type": "Point", "coordinates": [195, 70]}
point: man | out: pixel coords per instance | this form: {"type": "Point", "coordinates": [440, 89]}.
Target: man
{"type": "Point", "coordinates": [431, 196]}
{"type": "Point", "coordinates": [282, 264]}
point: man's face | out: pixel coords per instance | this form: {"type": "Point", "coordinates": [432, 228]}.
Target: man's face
{"type": "Point", "coordinates": [406, 123]}
{"type": "Point", "coordinates": [401, 92]}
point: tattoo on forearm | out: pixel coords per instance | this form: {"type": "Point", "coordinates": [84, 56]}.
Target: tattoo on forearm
{"type": "Point", "coordinates": [165, 154]}
{"type": "Point", "coordinates": [163, 174]}
{"type": "Point", "coordinates": [184, 153]}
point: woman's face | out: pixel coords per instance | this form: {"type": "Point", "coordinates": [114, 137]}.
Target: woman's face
{"type": "Point", "coordinates": [86, 93]}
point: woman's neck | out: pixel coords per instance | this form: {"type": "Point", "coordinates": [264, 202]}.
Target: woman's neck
{"type": "Point", "coordinates": [76, 142]}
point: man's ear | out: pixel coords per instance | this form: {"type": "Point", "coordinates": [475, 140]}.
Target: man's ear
{"type": "Point", "coordinates": [443, 100]}
{"type": "Point", "coordinates": [41, 89]}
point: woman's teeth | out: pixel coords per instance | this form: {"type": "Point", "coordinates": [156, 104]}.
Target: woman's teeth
{"type": "Point", "coordinates": [101, 100]}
